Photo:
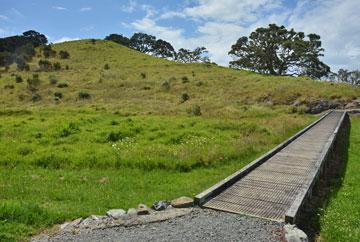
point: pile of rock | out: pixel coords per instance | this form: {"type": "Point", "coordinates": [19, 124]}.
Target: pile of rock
{"type": "Point", "coordinates": [162, 210]}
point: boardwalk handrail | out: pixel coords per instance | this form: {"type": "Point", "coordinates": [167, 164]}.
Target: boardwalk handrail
{"type": "Point", "coordinates": [293, 212]}
{"type": "Point", "coordinates": [204, 196]}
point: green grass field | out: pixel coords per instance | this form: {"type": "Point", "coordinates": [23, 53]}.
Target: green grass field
{"type": "Point", "coordinates": [340, 220]}
{"type": "Point", "coordinates": [135, 138]}
{"type": "Point", "coordinates": [59, 165]}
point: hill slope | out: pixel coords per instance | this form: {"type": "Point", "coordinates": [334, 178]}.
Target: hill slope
{"type": "Point", "coordinates": [141, 84]}
{"type": "Point", "coordinates": [134, 134]}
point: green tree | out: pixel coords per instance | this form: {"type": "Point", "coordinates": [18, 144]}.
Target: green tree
{"type": "Point", "coordinates": [164, 49]}
{"type": "Point", "coordinates": [197, 55]}
{"type": "Point", "coordinates": [277, 51]}
{"type": "Point", "coordinates": [118, 38]}
{"type": "Point", "coordinates": [143, 42]}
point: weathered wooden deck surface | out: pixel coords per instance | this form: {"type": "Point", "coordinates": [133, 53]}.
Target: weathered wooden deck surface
{"type": "Point", "coordinates": [270, 190]}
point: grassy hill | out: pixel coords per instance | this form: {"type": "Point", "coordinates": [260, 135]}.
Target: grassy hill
{"type": "Point", "coordinates": [141, 130]}
{"type": "Point", "coordinates": [136, 83]}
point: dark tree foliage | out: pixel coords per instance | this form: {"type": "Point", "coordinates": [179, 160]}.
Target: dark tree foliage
{"type": "Point", "coordinates": [149, 44]}
{"type": "Point", "coordinates": [20, 48]}
{"type": "Point", "coordinates": [164, 49]}
{"type": "Point", "coordinates": [188, 56]}
{"type": "Point", "coordinates": [118, 38]}
{"type": "Point", "coordinates": [45, 65]}
{"type": "Point", "coordinates": [48, 51]}
{"type": "Point", "coordinates": [64, 54]}
{"type": "Point", "coordinates": [35, 37]}
{"type": "Point", "coordinates": [277, 51]}
{"type": "Point", "coordinates": [143, 42]}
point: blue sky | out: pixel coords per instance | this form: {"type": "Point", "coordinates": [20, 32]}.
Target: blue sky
{"type": "Point", "coordinates": [190, 23]}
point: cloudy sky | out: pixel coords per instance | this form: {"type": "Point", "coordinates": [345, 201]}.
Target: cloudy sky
{"type": "Point", "coordinates": [214, 24]}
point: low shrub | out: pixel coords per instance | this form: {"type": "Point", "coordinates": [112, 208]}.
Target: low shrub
{"type": "Point", "coordinates": [9, 86]}
{"type": "Point", "coordinates": [45, 65]}
{"type": "Point", "coordinates": [53, 80]}
{"type": "Point", "coordinates": [185, 79]}
{"type": "Point", "coordinates": [35, 97]}
{"type": "Point", "coordinates": [57, 66]}
{"type": "Point", "coordinates": [18, 79]}
{"type": "Point", "coordinates": [64, 54]}
{"type": "Point", "coordinates": [58, 95]}
{"type": "Point", "coordinates": [106, 67]}
{"type": "Point", "coordinates": [84, 95]}
{"type": "Point", "coordinates": [184, 97]}
{"type": "Point", "coordinates": [62, 85]}
{"type": "Point", "coordinates": [143, 75]}
{"type": "Point", "coordinates": [166, 85]}
{"type": "Point", "coordinates": [195, 110]}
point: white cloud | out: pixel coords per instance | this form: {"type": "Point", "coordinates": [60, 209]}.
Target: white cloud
{"type": "Point", "coordinates": [149, 26]}
{"type": "Point", "coordinates": [130, 7]}
{"type": "Point", "coordinates": [59, 8]}
{"type": "Point", "coordinates": [65, 39]}
{"type": "Point", "coordinates": [338, 24]}
{"type": "Point", "coordinates": [172, 14]}
{"type": "Point", "coordinates": [3, 17]}
{"type": "Point", "coordinates": [85, 9]}
{"type": "Point", "coordinates": [218, 24]}
{"type": "Point", "coordinates": [232, 10]}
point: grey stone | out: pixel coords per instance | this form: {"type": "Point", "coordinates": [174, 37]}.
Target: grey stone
{"type": "Point", "coordinates": [160, 205]}
{"type": "Point", "coordinates": [115, 213]}
{"type": "Point", "coordinates": [76, 222]}
{"type": "Point", "coordinates": [143, 209]}
{"type": "Point", "coordinates": [294, 234]}
{"type": "Point", "coordinates": [64, 225]}
{"type": "Point", "coordinates": [131, 212]}
{"type": "Point", "coordinates": [97, 217]}
{"type": "Point", "coordinates": [182, 202]}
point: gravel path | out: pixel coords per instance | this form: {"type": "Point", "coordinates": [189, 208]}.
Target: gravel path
{"type": "Point", "coordinates": [200, 225]}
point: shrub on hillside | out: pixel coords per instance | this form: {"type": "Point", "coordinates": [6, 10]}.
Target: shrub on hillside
{"type": "Point", "coordinates": [84, 95]}
{"type": "Point", "coordinates": [35, 97]}
{"type": "Point", "coordinates": [45, 65]}
{"type": "Point", "coordinates": [57, 66]}
{"type": "Point", "coordinates": [185, 79]}
{"type": "Point", "coordinates": [62, 85]}
{"type": "Point", "coordinates": [184, 97]}
{"type": "Point", "coordinates": [166, 86]}
{"type": "Point", "coordinates": [64, 54]}
{"type": "Point", "coordinates": [106, 67]}
{"type": "Point", "coordinates": [48, 51]}
{"type": "Point", "coordinates": [9, 86]}
{"type": "Point", "coordinates": [195, 110]}
{"type": "Point", "coordinates": [33, 82]}
{"type": "Point", "coordinates": [18, 79]}
{"type": "Point", "coordinates": [143, 75]}
{"type": "Point", "coordinates": [59, 95]}
{"type": "Point", "coordinates": [53, 80]}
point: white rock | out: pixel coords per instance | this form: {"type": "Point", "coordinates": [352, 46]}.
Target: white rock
{"type": "Point", "coordinates": [64, 225]}
{"type": "Point", "coordinates": [115, 213]}
{"type": "Point", "coordinates": [132, 212]}
{"type": "Point", "coordinates": [294, 234]}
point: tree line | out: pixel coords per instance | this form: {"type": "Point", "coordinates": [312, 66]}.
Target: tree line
{"type": "Point", "coordinates": [20, 49]}
{"type": "Point", "coordinates": [149, 44]}
{"type": "Point", "coordinates": [272, 50]}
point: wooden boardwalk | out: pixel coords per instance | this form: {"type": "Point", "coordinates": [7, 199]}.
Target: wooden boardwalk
{"type": "Point", "coordinates": [271, 189]}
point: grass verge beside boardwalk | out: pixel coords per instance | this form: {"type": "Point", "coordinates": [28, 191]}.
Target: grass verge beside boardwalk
{"type": "Point", "coordinates": [340, 220]}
